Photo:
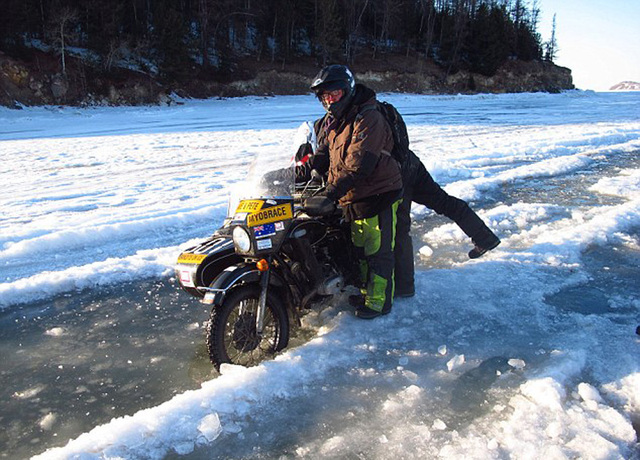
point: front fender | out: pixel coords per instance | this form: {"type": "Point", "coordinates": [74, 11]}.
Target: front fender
{"type": "Point", "coordinates": [235, 275]}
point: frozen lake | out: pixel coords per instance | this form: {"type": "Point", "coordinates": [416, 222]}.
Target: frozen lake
{"type": "Point", "coordinates": [529, 351]}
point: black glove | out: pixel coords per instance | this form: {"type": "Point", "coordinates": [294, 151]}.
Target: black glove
{"type": "Point", "coordinates": [319, 205]}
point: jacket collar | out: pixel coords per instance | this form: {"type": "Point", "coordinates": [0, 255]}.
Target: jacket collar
{"type": "Point", "coordinates": [362, 96]}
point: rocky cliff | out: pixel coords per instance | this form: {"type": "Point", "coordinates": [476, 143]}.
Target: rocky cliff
{"type": "Point", "coordinates": [37, 81]}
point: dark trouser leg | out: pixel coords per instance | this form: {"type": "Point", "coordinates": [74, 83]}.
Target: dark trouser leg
{"type": "Point", "coordinates": [403, 252]}
{"type": "Point", "coordinates": [374, 238]}
{"type": "Point", "coordinates": [427, 192]}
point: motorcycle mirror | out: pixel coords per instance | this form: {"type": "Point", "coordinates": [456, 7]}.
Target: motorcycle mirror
{"type": "Point", "coordinates": [316, 176]}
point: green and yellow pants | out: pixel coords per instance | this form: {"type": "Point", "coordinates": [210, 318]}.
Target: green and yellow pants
{"type": "Point", "coordinates": [374, 240]}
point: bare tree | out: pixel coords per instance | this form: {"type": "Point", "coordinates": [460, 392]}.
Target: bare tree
{"type": "Point", "coordinates": [204, 17]}
{"type": "Point", "coordinates": [427, 23]}
{"type": "Point", "coordinates": [62, 22]}
{"type": "Point", "coordinates": [354, 32]}
{"type": "Point", "coordinates": [328, 30]}
{"type": "Point", "coordinates": [113, 51]}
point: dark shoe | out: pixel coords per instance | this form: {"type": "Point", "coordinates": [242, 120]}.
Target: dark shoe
{"type": "Point", "coordinates": [477, 251]}
{"type": "Point", "coordinates": [356, 300]}
{"type": "Point", "coordinates": [368, 313]}
{"type": "Point", "coordinates": [403, 294]}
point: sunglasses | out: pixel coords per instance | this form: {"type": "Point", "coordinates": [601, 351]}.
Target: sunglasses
{"type": "Point", "coordinates": [330, 97]}
{"type": "Point", "coordinates": [334, 93]}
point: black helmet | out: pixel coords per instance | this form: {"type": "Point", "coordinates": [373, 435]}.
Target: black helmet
{"type": "Point", "coordinates": [334, 77]}
{"type": "Point", "coordinates": [331, 78]}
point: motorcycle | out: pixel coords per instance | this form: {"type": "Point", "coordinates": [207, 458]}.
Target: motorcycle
{"type": "Point", "coordinates": [264, 267]}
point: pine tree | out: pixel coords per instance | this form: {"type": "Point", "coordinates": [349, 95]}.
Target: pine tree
{"type": "Point", "coordinates": [551, 47]}
{"type": "Point", "coordinates": [486, 46]}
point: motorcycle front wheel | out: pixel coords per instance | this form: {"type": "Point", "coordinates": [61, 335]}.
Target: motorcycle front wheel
{"type": "Point", "coordinates": [231, 331]}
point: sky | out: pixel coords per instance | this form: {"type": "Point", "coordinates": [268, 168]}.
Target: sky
{"type": "Point", "coordinates": [597, 39]}
{"type": "Point", "coordinates": [527, 352]}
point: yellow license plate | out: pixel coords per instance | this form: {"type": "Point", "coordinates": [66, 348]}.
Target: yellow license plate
{"type": "Point", "coordinates": [249, 206]}
{"type": "Point", "coordinates": [188, 258]}
{"type": "Point", "coordinates": [273, 214]}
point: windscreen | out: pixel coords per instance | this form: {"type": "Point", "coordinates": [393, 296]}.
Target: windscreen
{"type": "Point", "coordinates": [267, 177]}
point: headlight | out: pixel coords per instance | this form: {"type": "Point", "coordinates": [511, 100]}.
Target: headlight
{"type": "Point", "coordinates": [241, 239]}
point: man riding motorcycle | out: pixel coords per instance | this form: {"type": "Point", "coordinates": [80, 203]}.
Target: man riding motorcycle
{"type": "Point", "coordinates": [362, 177]}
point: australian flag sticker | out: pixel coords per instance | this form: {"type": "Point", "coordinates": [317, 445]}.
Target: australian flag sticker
{"type": "Point", "coordinates": [264, 230]}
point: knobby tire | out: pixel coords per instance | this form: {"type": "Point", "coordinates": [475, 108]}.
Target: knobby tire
{"type": "Point", "coordinates": [231, 336]}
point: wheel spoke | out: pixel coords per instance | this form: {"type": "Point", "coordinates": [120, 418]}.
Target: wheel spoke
{"type": "Point", "coordinates": [232, 333]}
{"type": "Point", "coordinates": [240, 334]}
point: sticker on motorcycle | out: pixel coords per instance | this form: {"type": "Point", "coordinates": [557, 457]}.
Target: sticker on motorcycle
{"type": "Point", "coordinates": [188, 258]}
{"type": "Point", "coordinates": [185, 278]}
{"type": "Point", "coordinates": [264, 230]}
{"type": "Point", "coordinates": [249, 206]}
{"type": "Point", "coordinates": [264, 244]}
{"type": "Point", "coordinates": [276, 213]}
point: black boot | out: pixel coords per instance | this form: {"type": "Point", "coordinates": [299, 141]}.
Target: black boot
{"type": "Point", "coordinates": [356, 300]}
{"type": "Point", "coordinates": [369, 313]}
{"type": "Point", "coordinates": [403, 294]}
{"type": "Point", "coordinates": [486, 242]}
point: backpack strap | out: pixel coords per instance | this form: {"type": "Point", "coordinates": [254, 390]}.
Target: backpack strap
{"type": "Point", "coordinates": [365, 109]}
{"type": "Point", "coordinates": [368, 108]}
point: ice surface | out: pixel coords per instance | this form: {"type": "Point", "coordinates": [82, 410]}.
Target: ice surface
{"type": "Point", "coordinates": [504, 356]}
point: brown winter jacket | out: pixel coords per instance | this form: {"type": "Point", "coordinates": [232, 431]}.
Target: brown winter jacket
{"type": "Point", "coordinates": [362, 174]}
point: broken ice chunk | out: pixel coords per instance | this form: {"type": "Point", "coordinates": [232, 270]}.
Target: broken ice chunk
{"type": "Point", "coordinates": [426, 252]}
{"type": "Point", "coordinates": [210, 426]}
{"type": "Point", "coordinates": [590, 395]}
{"type": "Point", "coordinates": [439, 425]}
{"type": "Point", "coordinates": [455, 362]}
{"type": "Point", "coordinates": [46, 422]}
{"type": "Point", "coordinates": [516, 363]}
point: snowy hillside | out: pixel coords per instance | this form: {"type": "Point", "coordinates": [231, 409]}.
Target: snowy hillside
{"type": "Point", "coordinates": [527, 352]}
{"type": "Point", "coordinates": [626, 86]}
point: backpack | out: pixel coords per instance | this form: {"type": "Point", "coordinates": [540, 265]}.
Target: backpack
{"type": "Point", "coordinates": [398, 127]}
{"type": "Point", "coordinates": [398, 130]}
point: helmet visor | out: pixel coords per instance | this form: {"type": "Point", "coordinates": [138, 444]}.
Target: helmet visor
{"type": "Point", "coordinates": [329, 86]}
